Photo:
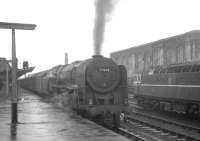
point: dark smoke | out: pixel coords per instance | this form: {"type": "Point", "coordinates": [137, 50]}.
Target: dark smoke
{"type": "Point", "coordinates": [103, 13]}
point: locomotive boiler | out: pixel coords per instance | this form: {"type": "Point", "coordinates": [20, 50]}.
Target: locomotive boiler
{"type": "Point", "coordinates": [97, 87]}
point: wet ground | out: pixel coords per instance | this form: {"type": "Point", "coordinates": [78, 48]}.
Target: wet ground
{"type": "Point", "coordinates": [40, 120]}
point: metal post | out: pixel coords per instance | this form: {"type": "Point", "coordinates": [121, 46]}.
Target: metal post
{"type": "Point", "coordinates": [7, 78]}
{"type": "Point", "coordinates": [14, 81]}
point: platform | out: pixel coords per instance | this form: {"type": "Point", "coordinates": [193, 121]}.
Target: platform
{"type": "Point", "coordinates": [40, 120]}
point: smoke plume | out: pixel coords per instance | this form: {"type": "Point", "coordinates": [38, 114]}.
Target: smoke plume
{"type": "Point", "coordinates": [103, 9]}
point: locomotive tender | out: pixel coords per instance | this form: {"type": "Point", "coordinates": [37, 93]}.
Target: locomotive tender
{"type": "Point", "coordinates": [164, 74]}
{"type": "Point", "coordinates": [97, 87]}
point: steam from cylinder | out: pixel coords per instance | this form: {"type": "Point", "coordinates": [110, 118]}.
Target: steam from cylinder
{"type": "Point", "coordinates": [103, 9]}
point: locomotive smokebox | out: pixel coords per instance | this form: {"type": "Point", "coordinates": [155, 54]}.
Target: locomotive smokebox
{"type": "Point", "coordinates": [102, 74]}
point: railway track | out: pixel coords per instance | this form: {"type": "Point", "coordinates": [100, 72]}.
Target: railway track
{"type": "Point", "coordinates": [160, 129]}
{"type": "Point", "coordinates": [131, 134]}
{"type": "Point", "coordinates": [151, 127]}
{"type": "Point", "coordinates": [135, 133]}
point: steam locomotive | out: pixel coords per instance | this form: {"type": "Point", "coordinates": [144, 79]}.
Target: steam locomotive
{"type": "Point", "coordinates": [97, 87]}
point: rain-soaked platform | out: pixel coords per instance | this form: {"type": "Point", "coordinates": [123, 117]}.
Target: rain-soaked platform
{"type": "Point", "coordinates": [42, 121]}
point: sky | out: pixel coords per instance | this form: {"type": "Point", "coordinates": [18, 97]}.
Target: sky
{"type": "Point", "coordinates": [66, 26]}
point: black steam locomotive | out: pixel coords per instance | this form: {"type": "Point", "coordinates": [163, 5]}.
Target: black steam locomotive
{"type": "Point", "coordinates": [97, 87]}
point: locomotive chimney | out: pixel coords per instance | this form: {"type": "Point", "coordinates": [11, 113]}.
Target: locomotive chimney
{"type": "Point", "coordinates": [97, 56]}
{"type": "Point", "coordinates": [66, 58]}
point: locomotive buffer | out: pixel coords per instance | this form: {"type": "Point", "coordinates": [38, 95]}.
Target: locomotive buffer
{"type": "Point", "coordinates": [13, 27]}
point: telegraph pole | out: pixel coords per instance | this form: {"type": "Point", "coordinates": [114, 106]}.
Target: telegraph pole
{"type": "Point", "coordinates": [14, 99]}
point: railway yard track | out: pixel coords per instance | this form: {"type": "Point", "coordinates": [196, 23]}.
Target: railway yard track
{"type": "Point", "coordinates": [146, 126]}
{"type": "Point", "coordinates": [163, 129]}
{"type": "Point", "coordinates": [129, 133]}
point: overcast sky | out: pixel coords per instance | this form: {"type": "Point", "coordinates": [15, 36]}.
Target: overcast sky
{"type": "Point", "coordinates": [67, 26]}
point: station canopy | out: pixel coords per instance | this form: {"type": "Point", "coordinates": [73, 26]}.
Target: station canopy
{"type": "Point", "coordinates": [20, 26]}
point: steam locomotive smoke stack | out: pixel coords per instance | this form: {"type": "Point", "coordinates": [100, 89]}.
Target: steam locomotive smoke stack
{"type": "Point", "coordinates": [103, 12]}
{"type": "Point", "coordinates": [97, 56]}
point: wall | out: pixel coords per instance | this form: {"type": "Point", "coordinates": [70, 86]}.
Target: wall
{"type": "Point", "coordinates": [184, 48]}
